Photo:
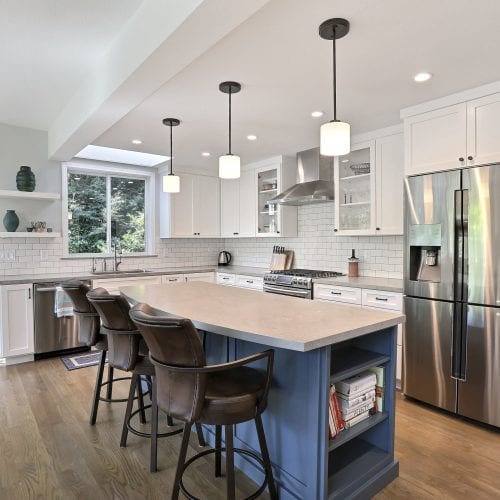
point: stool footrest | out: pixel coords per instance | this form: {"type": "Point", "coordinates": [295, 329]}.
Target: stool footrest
{"type": "Point", "coordinates": [148, 434]}
{"type": "Point", "coordinates": [240, 451]}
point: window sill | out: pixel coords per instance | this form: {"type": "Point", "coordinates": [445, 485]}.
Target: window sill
{"type": "Point", "coordinates": [109, 256]}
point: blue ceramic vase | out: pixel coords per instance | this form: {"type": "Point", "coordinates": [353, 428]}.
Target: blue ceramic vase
{"type": "Point", "coordinates": [11, 221]}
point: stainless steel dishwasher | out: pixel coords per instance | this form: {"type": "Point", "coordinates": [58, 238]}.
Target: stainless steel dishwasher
{"type": "Point", "coordinates": [53, 334]}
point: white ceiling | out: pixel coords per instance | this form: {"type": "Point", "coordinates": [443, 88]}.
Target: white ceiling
{"type": "Point", "coordinates": [47, 47]}
{"type": "Point", "coordinates": [285, 71]}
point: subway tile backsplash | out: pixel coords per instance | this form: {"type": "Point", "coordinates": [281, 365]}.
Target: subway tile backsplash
{"type": "Point", "coordinates": [315, 247]}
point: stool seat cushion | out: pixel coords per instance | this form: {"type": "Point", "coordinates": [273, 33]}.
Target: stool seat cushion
{"type": "Point", "coordinates": [232, 396]}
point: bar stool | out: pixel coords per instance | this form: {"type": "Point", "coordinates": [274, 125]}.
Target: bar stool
{"type": "Point", "coordinates": [128, 352]}
{"type": "Point", "coordinates": [89, 333]}
{"type": "Point", "coordinates": [221, 395]}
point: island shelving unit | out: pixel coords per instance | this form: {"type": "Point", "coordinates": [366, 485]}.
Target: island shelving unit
{"type": "Point", "coordinates": [316, 344]}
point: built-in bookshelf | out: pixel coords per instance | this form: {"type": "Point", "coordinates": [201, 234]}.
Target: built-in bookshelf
{"type": "Point", "coordinates": [359, 454]}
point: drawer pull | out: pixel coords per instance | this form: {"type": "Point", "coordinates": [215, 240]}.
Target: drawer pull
{"type": "Point", "coordinates": [250, 281]}
{"type": "Point", "coordinates": [336, 293]}
{"type": "Point", "coordinates": [172, 279]}
{"type": "Point", "coordinates": [225, 278]}
{"type": "Point", "coordinates": [382, 299]}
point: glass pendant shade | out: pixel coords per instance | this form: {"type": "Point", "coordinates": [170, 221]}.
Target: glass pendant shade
{"type": "Point", "coordinates": [335, 138]}
{"type": "Point", "coordinates": [171, 183]}
{"type": "Point", "coordinates": [229, 166]}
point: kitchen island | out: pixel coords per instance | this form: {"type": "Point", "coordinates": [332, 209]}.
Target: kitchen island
{"type": "Point", "coordinates": [315, 344]}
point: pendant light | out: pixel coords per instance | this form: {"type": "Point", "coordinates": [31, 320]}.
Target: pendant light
{"type": "Point", "coordinates": [229, 165]}
{"type": "Point", "coordinates": [335, 136]}
{"type": "Point", "coordinates": [171, 182]}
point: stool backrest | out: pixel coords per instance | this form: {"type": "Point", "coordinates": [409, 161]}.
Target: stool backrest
{"type": "Point", "coordinates": [123, 336]}
{"type": "Point", "coordinates": [175, 342]}
{"type": "Point", "coordinates": [89, 322]}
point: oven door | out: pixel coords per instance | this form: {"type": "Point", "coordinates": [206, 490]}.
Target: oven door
{"type": "Point", "coordinates": [302, 293]}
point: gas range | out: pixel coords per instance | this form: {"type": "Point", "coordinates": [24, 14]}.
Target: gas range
{"type": "Point", "coordinates": [295, 282]}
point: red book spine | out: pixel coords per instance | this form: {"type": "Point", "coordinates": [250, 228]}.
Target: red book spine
{"type": "Point", "coordinates": [338, 414]}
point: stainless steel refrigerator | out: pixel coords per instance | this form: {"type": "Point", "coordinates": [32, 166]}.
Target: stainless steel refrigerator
{"type": "Point", "coordinates": [452, 288]}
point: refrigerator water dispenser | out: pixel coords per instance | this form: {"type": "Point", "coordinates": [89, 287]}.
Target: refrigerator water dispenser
{"type": "Point", "coordinates": [425, 252]}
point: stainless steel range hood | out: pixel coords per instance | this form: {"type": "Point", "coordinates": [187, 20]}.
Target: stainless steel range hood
{"type": "Point", "coordinates": [314, 180]}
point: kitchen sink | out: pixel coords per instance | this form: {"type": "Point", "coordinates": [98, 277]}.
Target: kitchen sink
{"type": "Point", "coordinates": [123, 271]}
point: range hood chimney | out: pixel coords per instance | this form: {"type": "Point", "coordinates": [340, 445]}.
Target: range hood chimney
{"type": "Point", "coordinates": [314, 180]}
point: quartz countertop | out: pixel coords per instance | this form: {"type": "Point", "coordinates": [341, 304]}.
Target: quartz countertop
{"type": "Point", "coordinates": [268, 319]}
{"type": "Point", "coordinates": [41, 278]}
{"type": "Point", "coordinates": [385, 284]}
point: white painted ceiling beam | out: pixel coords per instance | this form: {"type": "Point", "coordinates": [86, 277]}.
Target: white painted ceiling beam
{"type": "Point", "coordinates": [161, 39]}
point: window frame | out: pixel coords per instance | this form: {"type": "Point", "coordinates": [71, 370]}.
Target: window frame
{"type": "Point", "coordinates": [111, 170]}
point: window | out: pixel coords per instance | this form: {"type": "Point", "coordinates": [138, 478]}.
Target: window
{"type": "Point", "coordinates": [106, 209]}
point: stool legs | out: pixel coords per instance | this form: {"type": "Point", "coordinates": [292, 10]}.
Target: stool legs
{"type": "Point", "coordinates": [109, 387]}
{"type": "Point", "coordinates": [180, 463]}
{"type": "Point", "coordinates": [140, 401]}
{"type": "Point", "coordinates": [218, 452]}
{"type": "Point", "coordinates": [128, 411]}
{"type": "Point", "coordinates": [265, 457]}
{"type": "Point", "coordinates": [154, 429]}
{"type": "Point", "coordinates": [97, 388]}
{"type": "Point", "coordinates": [230, 486]}
{"type": "Point", "coordinates": [199, 432]}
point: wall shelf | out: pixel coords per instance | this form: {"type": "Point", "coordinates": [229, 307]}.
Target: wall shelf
{"type": "Point", "coordinates": [27, 195]}
{"type": "Point", "coordinates": [25, 234]}
{"type": "Point", "coordinates": [355, 204]}
{"type": "Point", "coordinates": [351, 177]}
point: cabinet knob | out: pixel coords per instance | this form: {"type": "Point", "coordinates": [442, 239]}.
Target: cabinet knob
{"type": "Point", "coordinates": [335, 230]}
{"type": "Point", "coordinates": [377, 228]}
{"type": "Point", "coordinates": [277, 232]}
{"type": "Point", "coordinates": [470, 158]}
{"type": "Point", "coordinates": [461, 158]}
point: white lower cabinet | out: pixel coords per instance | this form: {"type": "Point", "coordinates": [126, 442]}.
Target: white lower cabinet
{"type": "Point", "coordinates": [207, 277]}
{"type": "Point", "coordinates": [17, 336]}
{"type": "Point", "coordinates": [112, 285]}
{"type": "Point", "coordinates": [241, 281]}
{"type": "Point", "coordinates": [366, 297]}
{"type": "Point", "coordinates": [172, 278]}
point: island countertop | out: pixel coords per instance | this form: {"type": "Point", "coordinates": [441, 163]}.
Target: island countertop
{"type": "Point", "coordinates": [264, 318]}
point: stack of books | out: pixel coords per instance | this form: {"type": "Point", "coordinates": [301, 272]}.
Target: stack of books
{"type": "Point", "coordinates": [354, 399]}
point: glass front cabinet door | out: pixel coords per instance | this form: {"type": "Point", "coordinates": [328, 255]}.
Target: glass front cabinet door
{"type": "Point", "coordinates": [268, 186]}
{"type": "Point", "coordinates": [355, 190]}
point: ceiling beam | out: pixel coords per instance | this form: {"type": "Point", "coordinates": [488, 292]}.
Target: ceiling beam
{"type": "Point", "coordinates": [160, 40]}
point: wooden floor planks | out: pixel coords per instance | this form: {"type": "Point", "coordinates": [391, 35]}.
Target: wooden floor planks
{"type": "Point", "coordinates": [48, 449]}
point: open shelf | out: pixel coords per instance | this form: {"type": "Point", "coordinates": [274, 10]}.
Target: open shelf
{"type": "Point", "coordinates": [350, 361]}
{"type": "Point", "coordinates": [268, 190]}
{"type": "Point", "coordinates": [355, 204]}
{"type": "Point", "coordinates": [25, 234]}
{"type": "Point", "coordinates": [351, 177]}
{"type": "Point", "coordinates": [27, 195]}
{"type": "Point", "coordinates": [348, 434]}
{"type": "Point", "coordinates": [352, 466]}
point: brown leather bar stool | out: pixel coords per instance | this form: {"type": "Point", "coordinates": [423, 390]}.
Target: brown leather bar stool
{"type": "Point", "coordinates": [220, 395]}
{"type": "Point", "coordinates": [128, 352]}
{"type": "Point", "coordinates": [89, 333]}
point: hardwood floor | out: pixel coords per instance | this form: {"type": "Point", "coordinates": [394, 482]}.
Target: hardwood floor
{"type": "Point", "coordinates": [49, 451]}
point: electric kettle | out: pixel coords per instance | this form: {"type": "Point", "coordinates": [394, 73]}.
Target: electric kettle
{"type": "Point", "coordinates": [224, 258]}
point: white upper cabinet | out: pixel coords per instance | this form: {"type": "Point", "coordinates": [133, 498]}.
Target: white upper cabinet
{"type": "Point", "coordinates": [238, 206]}
{"type": "Point", "coordinates": [245, 207]}
{"type": "Point", "coordinates": [483, 130]}
{"type": "Point", "coordinates": [389, 161]}
{"type": "Point", "coordinates": [435, 140]}
{"type": "Point", "coordinates": [369, 187]}
{"type": "Point", "coordinates": [194, 211]}
{"type": "Point", "coordinates": [461, 130]}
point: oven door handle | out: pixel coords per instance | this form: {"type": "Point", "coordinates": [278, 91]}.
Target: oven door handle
{"type": "Point", "coordinates": [285, 291]}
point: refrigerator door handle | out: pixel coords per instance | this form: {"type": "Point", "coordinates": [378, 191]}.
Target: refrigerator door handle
{"type": "Point", "coordinates": [461, 226]}
{"type": "Point", "coordinates": [459, 342]}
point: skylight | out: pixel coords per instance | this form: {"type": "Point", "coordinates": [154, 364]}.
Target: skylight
{"type": "Point", "coordinates": [102, 153]}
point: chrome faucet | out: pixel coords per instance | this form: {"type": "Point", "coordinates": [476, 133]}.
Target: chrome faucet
{"type": "Point", "coordinates": [116, 263]}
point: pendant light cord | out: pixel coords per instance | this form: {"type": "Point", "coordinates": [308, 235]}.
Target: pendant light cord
{"type": "Point", "coordinates": [230, 119]}
{"type": "Point", "coordinates": [171, 154]}
{"type": "Point", "coordinates": [334, 79]}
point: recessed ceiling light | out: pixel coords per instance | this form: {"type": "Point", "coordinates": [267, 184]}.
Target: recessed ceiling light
{"type": "Point", "coordinates": [344, 161]}
{"type": "Point", "coordinates": [136, 141]}
{"type": "Point", "coordinates": [422, 77]}
{"type": "Point", "coordinates": [205, 153]}
{"type": "Point", "coordinates": [251, 137]}
{"type": "Point", "coordinates": [317, 114]}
